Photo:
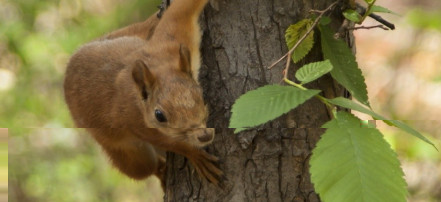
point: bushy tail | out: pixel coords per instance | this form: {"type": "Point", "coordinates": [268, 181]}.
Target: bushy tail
{"type": "Point", "coordinates": [179, 21]}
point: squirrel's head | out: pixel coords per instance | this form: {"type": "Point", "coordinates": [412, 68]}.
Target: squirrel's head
{"type": "Point", "coordinates": [170, 99]}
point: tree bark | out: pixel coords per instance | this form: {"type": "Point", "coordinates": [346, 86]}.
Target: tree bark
{"type": "Point", "coordinates": [271, 162]}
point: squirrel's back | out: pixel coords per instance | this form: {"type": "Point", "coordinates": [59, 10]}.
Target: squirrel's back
{"type": "Point", "coordinates": [91, 78]}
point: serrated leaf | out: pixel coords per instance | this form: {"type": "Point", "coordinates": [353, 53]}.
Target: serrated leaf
{"type": "Point", "coordinates": [352, 15]}
{"type": "Point", "coordinates": [266, 103]}
{"type": "Point", "coordinates": [380, 9]}
{"type": "Point", "coordinates": [353, 163]}
{"type": "Point", "coordinates": [294, 33]}
{"type": "Point", "coordinates": [345, 68]}
{"type": "Point", "coordinates": [346, 103]}
{"type": "Point", "coordinates": [313, 71]}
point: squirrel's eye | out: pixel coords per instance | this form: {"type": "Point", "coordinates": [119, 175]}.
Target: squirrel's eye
{"type": "Point", "coordinates": [160, 116]}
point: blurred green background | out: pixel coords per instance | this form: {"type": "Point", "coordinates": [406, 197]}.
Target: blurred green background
{"type": "Point", "coordinates": [3, 164]}
{"type": "Point", "coordinates": [49, 161]}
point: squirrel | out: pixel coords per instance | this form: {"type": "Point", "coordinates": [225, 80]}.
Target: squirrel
{"type": "Point", "coordinates": [136, 92]}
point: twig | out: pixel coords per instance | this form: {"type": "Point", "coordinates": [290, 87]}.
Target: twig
{"type": "Point", "coordinates": [369, 27]}
{"type": "Point", "coordinates": [276, 62]}
{"type": "Point", "coordinates": [314, 24]}
{"type": "Point", "coordinates": [382, 21]}
{"type": "Point", "coordinates": [376, 17]}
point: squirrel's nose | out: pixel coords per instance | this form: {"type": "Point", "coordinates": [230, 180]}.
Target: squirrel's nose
{"type": "Point", "coordinates": [206, 136]}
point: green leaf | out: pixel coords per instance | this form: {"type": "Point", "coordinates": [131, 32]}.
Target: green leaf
{"type": "Point", "coordinates": [346, 103]}
{"type": "Point", "coordinates": [237, 130]}
{"type": "Point", "coordinates": [368, 124]}
{"type": "Point", "coordinates": [370, 2]}
{"type": "Point", "coordinates": [294, 33]}
{"type": "Point", "coordinates": [380, 9]}
{"type": "Point", "coordinates": [325, 20]}
{"type": "Point", "coordinates": [410, 130]}
{"type": "Point", "coordinates": [345, 68]}
{"type": "Point", "coordinates": [352, 15]}
{"type": "Point", "coordinates": [353, 163]}
{"type": "Point", "coordinates": [313, 71]}
{"type": "Point", "coordinates": [266, 103]}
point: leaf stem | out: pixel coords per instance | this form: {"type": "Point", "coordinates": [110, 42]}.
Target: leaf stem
{"type": "Point", "coordinates": [368, 10]}
{"type": "Point", "coordinates": [294, 84]}
{"type": "Point", "coordinates": [321, 98]}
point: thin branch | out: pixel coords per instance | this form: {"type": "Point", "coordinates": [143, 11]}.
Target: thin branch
{"type": "Point", "coordinates": [369, 27]}
{"type": "Point", "coordinates": [314, 24]}
{"type": "Point", "coordinates": [376, 17]}
{"type": "Point", "coordinates": [302, 39]}
{"type": "Point", "coordinates": [276, 62]}
{"type": "Point", "coordinates": [382, 21]}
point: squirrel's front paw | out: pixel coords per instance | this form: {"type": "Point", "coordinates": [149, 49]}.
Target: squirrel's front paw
{"type": "Point", "coordinates": [206, 165]}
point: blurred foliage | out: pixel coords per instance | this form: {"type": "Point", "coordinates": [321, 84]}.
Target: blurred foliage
{"type": "Point", "coordinates": [420, 18]}
{"type": "Point", "coordinates": [3, 164]}
{"type": "Point", "coordinates": [36, 41]}
{"type": "Point", "coordinates": [66, 165]}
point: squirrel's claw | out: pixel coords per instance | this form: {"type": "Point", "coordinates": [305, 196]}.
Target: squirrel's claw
{"type": "Point", "coordinates": [206, 166]}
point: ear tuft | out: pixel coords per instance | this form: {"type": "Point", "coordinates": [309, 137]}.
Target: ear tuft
{"type": "Point", "coordinates": [143, 78]}
{"type": "Point", "coordinates": [184, 59]}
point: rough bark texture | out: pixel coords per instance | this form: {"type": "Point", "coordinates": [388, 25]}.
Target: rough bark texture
{"type": "Point", "coordinates": [269, 163]}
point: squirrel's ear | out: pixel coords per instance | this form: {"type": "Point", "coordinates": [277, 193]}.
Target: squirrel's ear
{"type": "Point", "coordinates": [184, 59]}
{"type": "Point", "coordinates": [143, 78]}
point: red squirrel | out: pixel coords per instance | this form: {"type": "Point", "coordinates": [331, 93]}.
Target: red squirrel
{"type": "Point", "coordinates": [136, 92]}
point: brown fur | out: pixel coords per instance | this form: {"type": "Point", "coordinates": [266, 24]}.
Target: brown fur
{"type": "Point", "coordinates": [114, 85]}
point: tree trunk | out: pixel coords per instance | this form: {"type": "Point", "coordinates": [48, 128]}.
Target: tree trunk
{"type": "Point", "coordinates": [270, 163]}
